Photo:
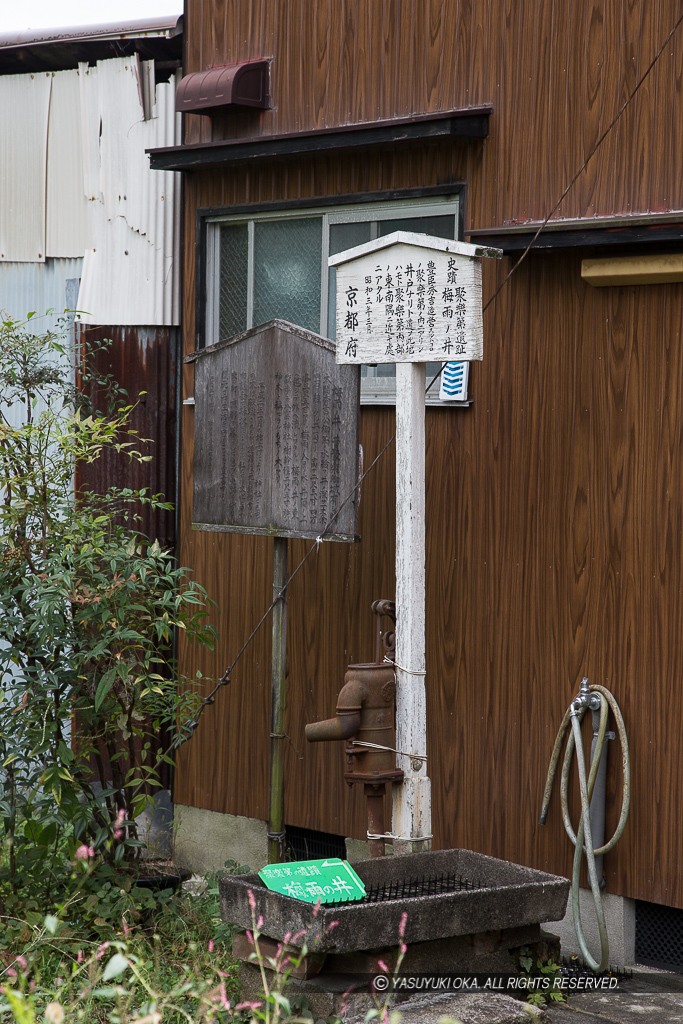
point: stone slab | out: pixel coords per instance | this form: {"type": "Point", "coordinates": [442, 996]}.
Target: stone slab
{"type": "Point", "coordinates": [510, 896]}
{"type": "Point", "coordinates": [323, 1000]}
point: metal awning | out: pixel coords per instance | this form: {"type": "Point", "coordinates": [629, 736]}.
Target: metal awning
{"type": "Point", "coordinates": [586, 232]}
{"type": "Point", "coordinates": [461, 124]}
{"type": "Point", "coordinates": [58, 49]}
{"type": "Point", "coordinates": [246, 85]}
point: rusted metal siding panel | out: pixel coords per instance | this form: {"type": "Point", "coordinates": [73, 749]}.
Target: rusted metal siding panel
{"type": "Point", "coordinates": [140, 359]}
{"type": "Point", "coordinates": [24, 109]}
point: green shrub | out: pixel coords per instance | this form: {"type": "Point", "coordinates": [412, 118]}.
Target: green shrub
{"type": "Point", "coordinates": [88, 611]}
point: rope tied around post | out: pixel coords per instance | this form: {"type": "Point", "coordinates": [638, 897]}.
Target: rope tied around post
{"type": "Point", "coordinates": [393, 750]}
{"type": "Point", "coordinates": [405, 839]}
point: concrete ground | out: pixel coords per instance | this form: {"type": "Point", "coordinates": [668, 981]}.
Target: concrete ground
{"type": "Point", "coordinates": [650, 997]}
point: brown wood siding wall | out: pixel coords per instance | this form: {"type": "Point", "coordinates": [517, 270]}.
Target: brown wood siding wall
{"type": "Point", "coordinates": [554, 503]}
{"type": "Point", "coordinates": [557, 73]}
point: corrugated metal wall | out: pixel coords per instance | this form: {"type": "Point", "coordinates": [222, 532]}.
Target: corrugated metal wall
{"type": "Point", "coordinates": [75, 181]}
{"type": "Point", "coordinates": [24, 108]}
{"type": "Point", "coordinates": [131, 274]}
{"type": "Point", "coordinates": [37, 287]}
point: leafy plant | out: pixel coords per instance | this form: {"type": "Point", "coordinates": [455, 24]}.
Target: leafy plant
{"type": "Point", "coordinates": [88, 611]}
{"type": "Point", "coordinates": [119, 981]}
{"type": "Point", "coordinates": [542, 968]}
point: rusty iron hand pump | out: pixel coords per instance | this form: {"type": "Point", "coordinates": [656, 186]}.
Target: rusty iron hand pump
{"type": "Point", "coordinates": [365, 717]}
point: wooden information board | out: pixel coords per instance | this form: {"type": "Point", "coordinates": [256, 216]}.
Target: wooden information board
{"type": "Point", "coordinates": [276, 435]}
{"type": "Point", "coordinates": [409, 298]}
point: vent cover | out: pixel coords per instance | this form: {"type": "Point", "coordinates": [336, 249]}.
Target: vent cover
{"type": "Point", "coordinates": [241, 85]}
{"type": "Point", "coordinates": [308, 844]}
{"type": "Point", "coordinates": [659, 936]}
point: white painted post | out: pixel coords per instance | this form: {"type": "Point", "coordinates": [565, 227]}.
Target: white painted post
{"type": "Point", "coordinates": [372, 280]}
{"type": "Point", "coordinates": [412, 799]}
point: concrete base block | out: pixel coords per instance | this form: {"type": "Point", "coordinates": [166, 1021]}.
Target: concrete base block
{"type": "Point", "coordinates": [204, 840]}
{"type": "Point", "coordinates": [620, 918]}
{"type": "Point", "coordinates": [156, 829]}
{"type": "Point", "coordinates": [359, 849]}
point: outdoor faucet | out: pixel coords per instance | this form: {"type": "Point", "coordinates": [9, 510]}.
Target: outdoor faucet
{"type": "Point", "coordinates": [365, 717]}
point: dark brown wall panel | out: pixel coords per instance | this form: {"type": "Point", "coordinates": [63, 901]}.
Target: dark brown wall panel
{"type": "Point", "coordinates": [557, 74]}
{"type": "Point", "coordinates": [142, 360]}
{"type": "Point", "coordinates": [554, 510]}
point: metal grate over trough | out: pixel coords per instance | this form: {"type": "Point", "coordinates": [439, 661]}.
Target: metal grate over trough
{"type": "Point", "coordinates": [411, 887]}
{"type": "Point", "coordinates": [435, 889]}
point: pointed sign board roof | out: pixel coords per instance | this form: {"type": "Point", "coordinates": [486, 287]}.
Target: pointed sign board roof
{"type": "Point", "coordinates": [409, 297]}
{"type": "Point", "coordinates": [276, 442]}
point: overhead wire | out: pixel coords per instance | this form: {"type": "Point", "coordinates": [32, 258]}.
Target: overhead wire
{"type": "Point", "coordinates": [187, 730]}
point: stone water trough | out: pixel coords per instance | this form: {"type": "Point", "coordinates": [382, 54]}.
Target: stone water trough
{"type": "Point", "coordinates": [465, 914]}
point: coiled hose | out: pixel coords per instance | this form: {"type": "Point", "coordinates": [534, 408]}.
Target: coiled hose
{"type": "Point", "coordinates": [583, 838]}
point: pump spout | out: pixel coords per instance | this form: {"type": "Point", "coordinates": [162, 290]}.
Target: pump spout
{"type": "Point", "coordinates": [343, 727]}
{"type": "Point", "coordinates": [347, 723]}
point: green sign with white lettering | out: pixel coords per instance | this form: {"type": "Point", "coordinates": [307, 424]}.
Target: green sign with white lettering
{"type": "Point", "coordinates": [330, 881]}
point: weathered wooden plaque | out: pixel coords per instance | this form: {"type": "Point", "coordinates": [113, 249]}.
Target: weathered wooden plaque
{"type": "Point", "coordinates": [276, 435]}
{"type": "Point", "coordinates": [409, 298]}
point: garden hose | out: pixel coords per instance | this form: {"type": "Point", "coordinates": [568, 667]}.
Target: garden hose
{"type": "Point", "coordinates": [592, 697]}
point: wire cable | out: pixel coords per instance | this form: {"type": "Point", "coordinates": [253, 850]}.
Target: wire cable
{"type": "Point", "coordinates": [188, 729]}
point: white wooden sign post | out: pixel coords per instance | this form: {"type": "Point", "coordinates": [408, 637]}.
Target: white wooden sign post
{"type": "Point", "coordinates": [410, 299]}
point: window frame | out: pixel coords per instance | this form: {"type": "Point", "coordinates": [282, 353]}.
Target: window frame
{"type": "Point", "coordinates": [439, 200]}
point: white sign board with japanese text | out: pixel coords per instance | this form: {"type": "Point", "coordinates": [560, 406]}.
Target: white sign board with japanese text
{"type": "Point", "coordinates": [409, 298]}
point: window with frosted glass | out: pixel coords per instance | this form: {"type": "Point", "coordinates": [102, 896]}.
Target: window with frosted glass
{"type": "Point", "coordinates": [287, 261]}
{"type": "Point", "coordinates": [269, 272]}
{"type": "Point", "coordinates": [274, 266]}
{"type": "Point", "coordinates": [232, 305]}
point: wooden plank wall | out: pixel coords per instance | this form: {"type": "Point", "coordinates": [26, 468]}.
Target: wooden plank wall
{"type": "Point", "coordinates": [556, 72]}
{"type": "Point", "coordinates": [554, 503]}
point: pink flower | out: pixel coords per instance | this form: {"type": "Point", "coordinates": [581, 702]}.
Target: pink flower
{"type": "Point", "coordinates": [224, 997]}
{"type": "Point", "coordinates": [404, 949]}
{"type": "Point", "coordinates": [101, 950]}
{"type": "Point", "coordinates": [259, 923]}
{"type": "Point", "coordinates": [331, 925]}
{"type": "Point", "coordinates": [250, 937]}
{"type": "Point", "coordinates": [21, 960]}
{"type": "Point", "coordinates": [83, 852]}
{"type": "Point", "coordinates": [118, 831]}
{"type": "Point", "coordinates": [79, 958]}
{"type": "Point", "coordinates": [210, 945]}
{"type": "Point", "coordinates": [299, 935]}
{"type": "Point", "coordinates": [252, 901]}
{"type": "Point", "coordinates": [288, 936]}
{"type": "Point", "coordinates": [247, 1006]}
{"type": "Point", "coordinates": [317, 908]}
{"type": "Point", "coordinates": [11, 973]}
{"type": "Point", "coordinates": [402, 926]}
{"type": "Point", "coordinates": [383, 966]}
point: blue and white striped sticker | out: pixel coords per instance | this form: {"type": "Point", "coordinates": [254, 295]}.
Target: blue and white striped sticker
{"type": "Point", "coordinates": [453, 387]}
